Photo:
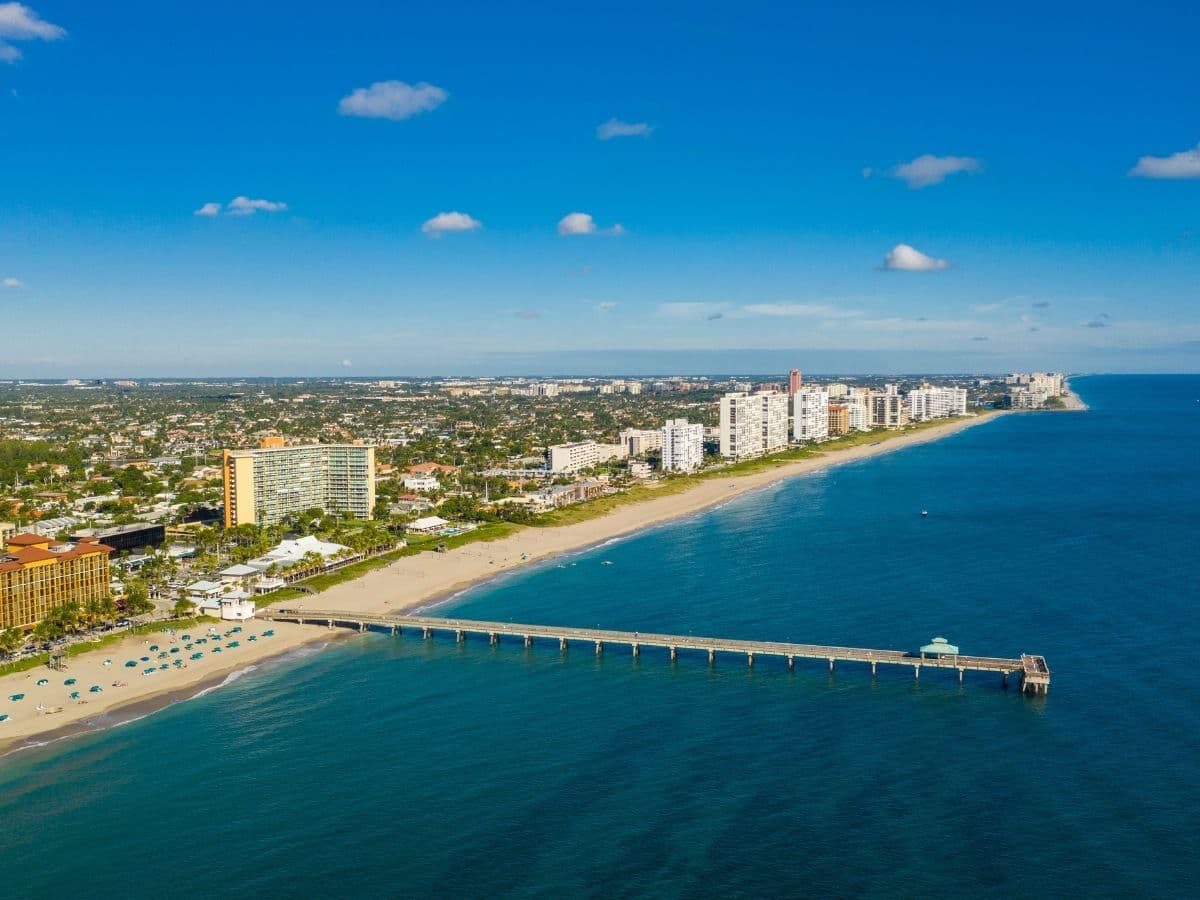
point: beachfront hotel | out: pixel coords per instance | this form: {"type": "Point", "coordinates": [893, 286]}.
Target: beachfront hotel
{"type": "Point", "coordinates": [264, 486]}
{"type": "Point", "coordinates": [682, 446]}
{"type": "Point", "coordinates": [38, 574]}
{"type": "Point", "coordinates": [753, 424]}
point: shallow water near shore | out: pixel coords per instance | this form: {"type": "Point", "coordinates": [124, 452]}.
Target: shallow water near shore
{"type": "Point", "coordinates": [396, 766]}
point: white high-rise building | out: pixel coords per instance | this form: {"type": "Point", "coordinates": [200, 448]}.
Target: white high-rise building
{"type": "Point", "coordinates": [682, 446]}
{"type": "Point", "coordinates": [810, 416]}
{"type": "Point", "coordinates": [859, 414]}
{"type": "Point", "coordinates": [753, 424]}
{"type": "Point", "coordinates": [936, 403]}
{"type": "Point", "coordinates": [573, 457]}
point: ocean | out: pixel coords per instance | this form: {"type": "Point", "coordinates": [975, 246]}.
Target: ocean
{"type": "Point", "coordinates": [383, 766]}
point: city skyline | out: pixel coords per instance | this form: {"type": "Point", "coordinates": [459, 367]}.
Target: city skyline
{"type": "Point", "coordinates": [451, 192]}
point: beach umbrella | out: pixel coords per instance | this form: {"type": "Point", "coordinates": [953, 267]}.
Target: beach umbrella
{"type": "Point", "coordinates": [197, 655]}
{"type": "Point", "coordinates": [174, 649]}
{"type": "Point", "coordinates": [131, 664]}
{"type": "Point", "coordinates": [253, 637]}
{"type": "Point", "coordinates": [187, 637]}
{"type": "Point", "coordinates": [95, 689]}
{"type": "Point", "coordinates": [216, 649]}
{"type": "Point", "coordinates": [3, 717]}
{"type": "Point", "coordinates": [42, 681]}
{"type": "Point", "coordinates": [163, 666]}
{"type": "Point", "coordinates": [74, 695]}
{"type": "Point", "coordinates": [69, 682]}
{"type": "Point", "coordinates": [145, 659]}
{"type": "Point", "coordinates": [153, 647]}
{"type": "Point", "coordinates": [149, 671]}
{"type": "Point", "coordinates": [16, 697]}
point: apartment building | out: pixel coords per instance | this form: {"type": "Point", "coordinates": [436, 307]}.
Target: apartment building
{"type": "Point", "coordinates": [640, 441]}
{"type": "Point", "coordinates": [810, 415]}
{"type": "Point", "coordinates": [7, 530]}
{"type": "Point", "coordinates": [839, 419]}
{"type": "Point", "coordinates": [888, 409]}
{"type": "Point", "coordinates": [38, 574]}
{"type": "Point", "coordinates": [682, 446]}
{"type": "Point", "coordinates": [753, 424]}
{"type": "Point", "coordinates": [573, 457]}
{"type": "Point", "coordinates": [927, 403]}
{"type": "Point", "coordinates": [266, 485]}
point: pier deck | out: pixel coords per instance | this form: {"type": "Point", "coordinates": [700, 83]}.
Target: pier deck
{"type": "Point", "coordinates": [1033, 671]}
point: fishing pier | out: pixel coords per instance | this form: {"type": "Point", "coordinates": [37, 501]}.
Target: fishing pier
{"type": "Point", "coordinates": [1032, 670]}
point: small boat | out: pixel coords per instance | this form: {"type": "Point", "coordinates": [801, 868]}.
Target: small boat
{"type": "Point", "coordinates": [924, 513]}
{"type": "Point", "coordinates": [607, 562]}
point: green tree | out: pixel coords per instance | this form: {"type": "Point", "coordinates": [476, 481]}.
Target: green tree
{"type": "Point", "coordinates": [11, 640]}
{"type": "Point", "coordinates": [184, 608]}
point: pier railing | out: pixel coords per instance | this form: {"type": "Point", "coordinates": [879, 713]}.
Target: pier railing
{"type": "Point", "coordinates": [1032, 669]}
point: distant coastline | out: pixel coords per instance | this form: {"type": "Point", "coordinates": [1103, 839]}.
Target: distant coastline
{"type": "Point", "coordinates": [425, 580]}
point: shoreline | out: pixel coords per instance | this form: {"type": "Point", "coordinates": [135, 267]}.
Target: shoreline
{"type": "Point", "coordinates": [426, 580]}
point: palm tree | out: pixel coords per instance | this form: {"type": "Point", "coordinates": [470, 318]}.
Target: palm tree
{"type": "Point", "coordinates": [11, 640]}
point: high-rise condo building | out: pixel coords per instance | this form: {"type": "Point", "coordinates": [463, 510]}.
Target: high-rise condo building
{"type": "Point", "coordinates": [753, 424]}
{"type": "Point", "coordinates": [810, 416]}
{"type": "Point", "coordinates": [38, 574]}
{"type": "Point", "coordinates": [936, 403]}
{"type": "Point", "coordinates": [794, 382]}
{"type": "Point", "coordinates": [888, 409]}
{"type": "Point", "coordinates": [264, 486]}
{"type": "Point", "coordinates": [682, 446]}
{"type": "Point", "coordinates": [839, 419]}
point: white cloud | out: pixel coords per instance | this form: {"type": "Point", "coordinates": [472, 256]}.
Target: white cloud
{"type": "Point", "coordinates": [450, 221]}
{"type": "Point", "coordinates": [615, 128]}
{"type": "Point", "coordinates": [905, 258]}
{"type": "Point", "coordinates": [393, 100]}
{"type": "Point", "coordinates": [606, 307]}
{"type": "Point", "coordinates": [526, 314]}
{"type": "Point", "coordinates": [986, 307]}
{"type": "Point", "coordinates": [11, 282]}
{"type": "Point", "coordinates": [20, 23]}
{"type": "Point", "coordinates": [576, 223]}
{"type": "Point", "coordinates": [927, 170]}
{"type": "Point", "coordinates": [582, 223]}
{"type": "Point", "coordinates": [1185, 164]}
{"type": "Point", "coordinates": [208, 209]}
{"type": "Point", "coordinates": [245, 206]}
{"type": "Point", "coordinates": [346, 363]}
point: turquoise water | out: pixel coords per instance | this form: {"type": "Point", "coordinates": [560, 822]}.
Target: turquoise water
{"type": "Point", "coordinates": [386, 766]}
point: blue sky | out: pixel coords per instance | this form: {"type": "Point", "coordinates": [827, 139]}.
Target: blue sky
{"type": "Point", "coordinates": [767, 159]}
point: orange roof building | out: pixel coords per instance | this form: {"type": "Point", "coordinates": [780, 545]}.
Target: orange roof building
{"type": "Point", "coordinates": [38, 574]}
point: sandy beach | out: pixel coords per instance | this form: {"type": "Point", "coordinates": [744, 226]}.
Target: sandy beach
{"type": "Point", "coordinates": [405, 584]}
